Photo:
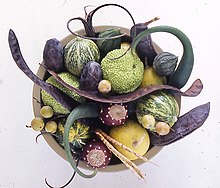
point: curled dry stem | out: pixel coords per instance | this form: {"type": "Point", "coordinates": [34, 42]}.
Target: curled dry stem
{"type": "Point", "coordinates": [28, 126]}
{"type": "Point", "coordinates": [87, 22]}
{"type": "Point", "coordinates": [43, 133]}
{"type": "Point", "coordinates": [89, 35]}
{"type": "Point", "coordinates": [85, 11]}
{"type": "Point", "coordinates": [91, 14]}
{"type": "Point", "coordinates": [129, 164]}
{"type": "Point", "coordinates": [67, 183]}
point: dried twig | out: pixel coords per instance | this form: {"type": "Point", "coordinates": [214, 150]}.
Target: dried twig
{"type": "Point", "coordinates": [129, 164]}
{"type": "Point", "coordinates": [112, 140]}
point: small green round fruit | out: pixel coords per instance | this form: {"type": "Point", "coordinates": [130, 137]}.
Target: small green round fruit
{"type": "Point", "coordinates": [148, 122]}
{"type": "Point", "coordinates": [51, 127]}
{"type": "Point", "coordinates": [46, 111]}
{"type": "Point", "coordinates": [37, 124]}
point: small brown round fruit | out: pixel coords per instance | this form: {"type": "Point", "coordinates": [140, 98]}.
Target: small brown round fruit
{"type": "Point", "coordinates": [96, 154]}
{"type": "Point", "coordinates": [113, 114]}
{"type": "Point", "coordinates": [162, 128]}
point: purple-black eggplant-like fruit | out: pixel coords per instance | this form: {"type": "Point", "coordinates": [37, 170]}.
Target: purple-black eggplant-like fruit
{"type": "Point", "coordinates": [145, 48]}
{"type": "Point", "coordinates": [91, 76]}
{"type": "Point", "coordinates": [53, 55]}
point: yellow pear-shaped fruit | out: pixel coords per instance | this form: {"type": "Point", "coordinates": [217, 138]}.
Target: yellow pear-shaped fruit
{"type": "Point", "coordinates": [152, 78]}
{"type": "Point", "coordinates": [132, 135]}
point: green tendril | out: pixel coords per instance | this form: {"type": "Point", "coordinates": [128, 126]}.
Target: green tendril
{"type": "Point", "coordinates": [87, 110]}
{"type": "Point", "coordinates": [184, 69]}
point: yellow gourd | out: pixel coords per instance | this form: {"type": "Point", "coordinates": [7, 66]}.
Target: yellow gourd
{"type": "Point", "coordinates": [151, 78]}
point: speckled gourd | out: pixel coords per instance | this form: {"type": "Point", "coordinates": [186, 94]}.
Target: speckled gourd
{"type": "Point", "coordinates": [78, 52]}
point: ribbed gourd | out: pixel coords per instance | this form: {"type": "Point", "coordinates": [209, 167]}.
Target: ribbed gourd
{"type": "Point", "coordinates": [162, 106]}
{"type": "Point", "coordinates": [165, 63]}
{"type": "Point", "coordinates": [78, 52]}
{"type": "Point", "coordinates": [78, 135]}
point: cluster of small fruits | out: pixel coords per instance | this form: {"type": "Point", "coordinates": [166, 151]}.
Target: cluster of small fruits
{"type": "Point", "coordinates": [38, 123]}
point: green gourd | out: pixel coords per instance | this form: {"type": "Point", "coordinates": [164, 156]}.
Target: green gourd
{"type": "Point", "coordinates": [181, 75]}
{"type": "Point", "coordinates": [87, 110]}
{"type": "Point", "coordinates": [165, 63]}
{"type": "Point", "coordinates": [106, 45]}
{"type": "Point", "coordinates": [78, 52]}
{"type": "Point", "coordinates": [162, 106]}
{"type": "Point", "coordinates": [78, 135]}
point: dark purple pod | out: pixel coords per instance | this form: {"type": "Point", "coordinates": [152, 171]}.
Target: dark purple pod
{"type": "Point", "coordinates": [96, 154]}
{"type": "Point", "coordinates": [53, 55]}
{"type": "Point", "coordinates": [113, 114]}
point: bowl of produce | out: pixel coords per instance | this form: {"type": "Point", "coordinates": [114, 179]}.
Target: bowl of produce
{"type": "Point", "coordinates": [108, 97]}
{"type": "Point", "coordinates": [37, 96]}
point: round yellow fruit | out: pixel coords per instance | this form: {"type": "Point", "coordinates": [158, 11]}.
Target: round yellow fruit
{"type": "Point", "coordinates": [151, 78]}
{"type": "Point", "coordinates": [132, 135]}
{"type": "Point", "coordinates": [51, 126]}
{"type": "Point", "coordinates": [125, 45]}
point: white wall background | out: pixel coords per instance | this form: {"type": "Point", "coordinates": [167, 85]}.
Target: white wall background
{"type": "Point", "coordinates": [192, 162]}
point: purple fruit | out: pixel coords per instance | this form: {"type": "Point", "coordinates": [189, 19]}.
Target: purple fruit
{"type": "Point", "coordinates": [53, 55]}
{"type": "Point", "coordinates": [96, 154]}
{"type": "Point", "coordinates": [91, 76]}
{"type": "Point", "coordinates": [113, 114]}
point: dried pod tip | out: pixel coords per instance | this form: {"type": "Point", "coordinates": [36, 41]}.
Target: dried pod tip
{"type": "Point", "coordinates": [96, 154]}
{"type": "Point", "coordinates": [114, 114]}
{"type": "Point", "coordinates": [104, 86]}
{"type": "Point", "coordinates": [162, 128]}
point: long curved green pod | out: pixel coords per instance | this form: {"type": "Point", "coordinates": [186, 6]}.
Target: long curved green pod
{"type": "Point", "coordinates": [180, 77]}
{"type": "Point", "coordinates": [87, 110]}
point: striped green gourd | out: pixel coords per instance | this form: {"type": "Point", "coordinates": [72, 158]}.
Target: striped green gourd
{"type": "Point", "coordinates": [78, 136]}
{"type": "Point", "coordinates": [107, 45]}
{"type": "Point", "coordinates": [78, 52]}
{"type": "Point", "coordinates": [161, 105]}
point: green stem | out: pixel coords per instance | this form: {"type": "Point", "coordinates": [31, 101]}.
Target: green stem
{"type": "Point", "coordinates": [184, 69]}
{"type": "Point", "coordinates": [87, 110]}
